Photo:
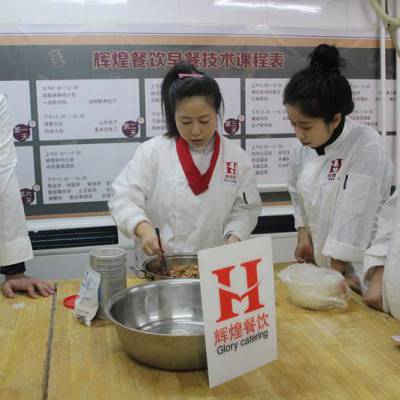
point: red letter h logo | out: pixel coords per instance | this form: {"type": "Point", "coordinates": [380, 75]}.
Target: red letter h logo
{"type": "Point", "coordinates": [226, 297]}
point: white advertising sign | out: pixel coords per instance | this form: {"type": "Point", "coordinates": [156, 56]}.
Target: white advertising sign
{"type": "Point", "coordinates": [238, 299]}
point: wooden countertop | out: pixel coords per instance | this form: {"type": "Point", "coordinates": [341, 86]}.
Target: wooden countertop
{"type": "Point", "coordinates": [335, 354]}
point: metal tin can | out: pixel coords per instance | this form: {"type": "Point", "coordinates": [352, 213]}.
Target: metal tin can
{"type": "Point", "coordinates": [110, 263]}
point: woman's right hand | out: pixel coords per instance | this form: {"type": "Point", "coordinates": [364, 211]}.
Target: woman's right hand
{"type": "Point", "coordinates": [147, 234]}
{"type": "Point", "coordinates": [374, 297]}
{"type": "Point", "coordinates": [304, 250]}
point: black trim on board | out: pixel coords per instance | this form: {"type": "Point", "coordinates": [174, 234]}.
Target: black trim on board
{"type": "Point", "coordinates": [74, 237]}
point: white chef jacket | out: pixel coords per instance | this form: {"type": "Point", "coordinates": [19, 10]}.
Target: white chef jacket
{"type": "Point", "coordinates": [385, 250]}
{"type": "Point", "coordinates": [337, 195]}
{"type": "Point", "coordinates": [15, 246]}
{"type": "Point", "coordinates": [154, 188]}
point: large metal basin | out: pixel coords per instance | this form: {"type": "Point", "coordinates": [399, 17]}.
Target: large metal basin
{"type": "Point", "coordinates": [160, 323]}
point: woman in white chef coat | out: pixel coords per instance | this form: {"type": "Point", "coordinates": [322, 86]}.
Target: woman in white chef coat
{"type": "Point", "coordinates": [196, 186]}
{"type": "Point", "coordinates": [15, 246]}
{"type": "Point", "coordinates": [382, 260]}
{"type": "Point", "coordinates": [339, 173]}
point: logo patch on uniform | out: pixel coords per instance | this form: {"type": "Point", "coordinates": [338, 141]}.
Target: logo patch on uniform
{"type": "Point", "coordinates": [231, 170]}
{"type": "Point", "coordinates": [334, 168]}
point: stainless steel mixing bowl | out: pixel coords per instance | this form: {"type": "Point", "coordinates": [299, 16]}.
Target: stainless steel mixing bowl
{"type": "Point", "coordinates": [160, 323]}
{"type": "Point", "coordinates": [154, 269]}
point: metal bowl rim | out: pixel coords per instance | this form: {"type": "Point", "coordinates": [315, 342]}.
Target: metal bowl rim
{"type": "Point", "coordinates": [121, 294]}
{"type": "Point", "coordinates": [168, 256]}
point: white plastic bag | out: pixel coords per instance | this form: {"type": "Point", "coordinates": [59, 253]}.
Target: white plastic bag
{"type": "Point", "coordinates": [315, 287]}
{"type": "Point", "coordinates": [87, 302]}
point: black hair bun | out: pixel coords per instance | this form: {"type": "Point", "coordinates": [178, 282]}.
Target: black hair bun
{"type": "Point", "coordinates": [326, 58]}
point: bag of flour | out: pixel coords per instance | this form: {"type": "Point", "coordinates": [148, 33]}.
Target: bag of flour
{"type": "Point", "coordinates": [87, 303]}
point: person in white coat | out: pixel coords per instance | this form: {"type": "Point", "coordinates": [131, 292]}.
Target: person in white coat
{"type": "Point", "coordinates": [339, 174]}
{"type": "Point", "coordinates": [382, 260]}
{"type": "Point", "coordinates": [196, 186]}
{"type": "Point", "coordinates": [15, 246]}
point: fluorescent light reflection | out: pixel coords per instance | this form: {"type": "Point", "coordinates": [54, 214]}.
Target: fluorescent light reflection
{"type": "Point", "coordinates": [91, 1]}
{"type": "Point", "coordinates": [284, 6]}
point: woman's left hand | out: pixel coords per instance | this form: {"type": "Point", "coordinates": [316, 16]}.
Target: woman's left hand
{"type": "Point", "coordinates": [24, 283]}
{"type": "Point", "coordinates": [231, 239]}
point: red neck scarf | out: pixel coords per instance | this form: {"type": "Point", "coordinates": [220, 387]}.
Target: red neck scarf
{"type": "Point", "coordinates": [197, 182]}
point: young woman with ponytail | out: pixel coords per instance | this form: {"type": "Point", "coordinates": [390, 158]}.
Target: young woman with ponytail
{"type": "Point", "coordinates": [340, 173]}
{"type": "Point", "coordinates": [196, 186]}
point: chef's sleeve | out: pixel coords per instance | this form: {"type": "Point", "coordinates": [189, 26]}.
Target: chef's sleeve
{"type": "Point", "coordinates": [15, 246]}
{"type": "Point", "coordinates": [362, 192]}
{"type": "Point", "coordinates": [293, 173]}
{"type": "Point", "coordinates": [247, 205]}
{"type": "Point", "coordinates": [13, 269]}
{"type": "Point", "coordinates": [377, 252]}
{"type": "Point", "coordinates": [131, 189]}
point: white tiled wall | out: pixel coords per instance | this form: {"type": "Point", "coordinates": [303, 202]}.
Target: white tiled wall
{"type": "Point", "coordinates": [360, 14]}
{"type": "Point", "coordinates": [309, 14]}
{"type": "Point", "coordinates": [132, 11]}
{"type": "Point", "coordinates": [42, 12]}
{"type": "Point", "coordinates": [224, 12]}
{"type": "Point", "coordinates": [175, 15]}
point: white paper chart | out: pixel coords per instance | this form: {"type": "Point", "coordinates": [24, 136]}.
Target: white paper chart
{"type": "Point", "coordinates": [155, 124]}
{"type": "Point", "coordinates": [270, 158]}
{"type": "Point", "coordinates": [88, 109]}
{"type": "Point", "coordinates": [82, 173]}
{"type": "Point", "coordinates": [265, 112]}
{"type": "Point", "coordinates": [367, 98]}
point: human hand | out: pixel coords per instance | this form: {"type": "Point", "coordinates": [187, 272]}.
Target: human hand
{"type": "Point", "coordinates": [337, 265]}
{"type": "Point", "coordinates": [354, 283]}
{"type": "Point", "coordinates": [373, 297]}
{"type": "Point", "coordinates": [24, 283]}
{"type": "Point", "coordinates": [147, 234]}
{"type": "Point", "coordinates": [304, 250]}
{"type": "Point", "coordinates": [231, 239]}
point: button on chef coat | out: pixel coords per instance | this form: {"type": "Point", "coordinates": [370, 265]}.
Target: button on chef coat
{"type": "Point", "coordinates": [154, 188]}
{"type": "Point", "coordinates": [336, 195]}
